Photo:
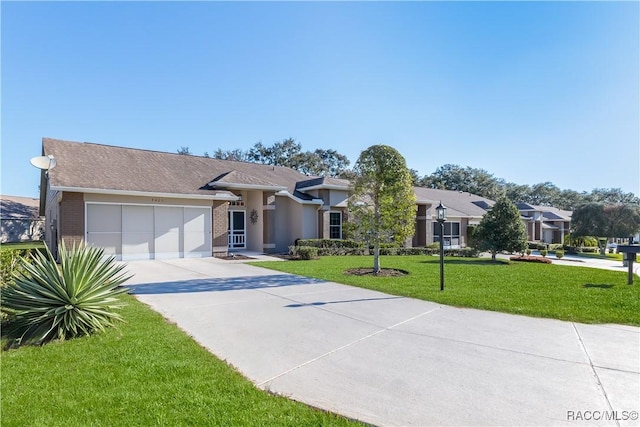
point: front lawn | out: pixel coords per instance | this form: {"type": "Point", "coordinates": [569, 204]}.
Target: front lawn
{"type": "Point", "coordinates": [577, 294]}
{"type": "Point", "coordinates": [36, 244]}
{"type": "Point", "coordinates": [611, 257]}
{"type": "Point", "coordinates": [145, 372]}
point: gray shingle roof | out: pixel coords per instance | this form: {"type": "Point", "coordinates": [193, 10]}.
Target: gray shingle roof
{"type": "Point", "coordinates": [323, 180]}
{"type": "Point", "coordinates": [105, 167]}
{"type": "Point", "coordinates": [16, 207]}
{"type": "Point", "coordinates": [457, 203]}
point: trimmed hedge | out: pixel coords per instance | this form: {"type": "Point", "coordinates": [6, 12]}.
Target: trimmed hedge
{"type": "Point", "coordinates": [329, 243]}
{"type": "Point", "coordinates": [328, 247]}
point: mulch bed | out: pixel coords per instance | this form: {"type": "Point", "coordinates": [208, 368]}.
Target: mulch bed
{"type": "Point", "coordinates": [530, 258]}
{"type": "Point", "coordinates": [234, 257]}
{"type": "Point", "coordinates": [384, 272]}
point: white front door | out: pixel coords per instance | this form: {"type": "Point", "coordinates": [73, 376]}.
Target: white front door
{"type": "Point", "coordinates": [237, 232]}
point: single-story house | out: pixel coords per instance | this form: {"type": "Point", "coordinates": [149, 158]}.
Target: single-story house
{"type": "Point", "coordinates": [19, 219]}
{"type": "Point", "coordinates": [545, 224]}
{"type": "Point", "coordinates": [143, 204]}
{"type": "Point", "coordinates": [464, 210]}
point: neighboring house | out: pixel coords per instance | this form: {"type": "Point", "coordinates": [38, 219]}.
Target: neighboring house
{"type": "Point", "coordinates": [545, 224]}
{"type": "Point", "coordinates": [464, 210]}
{"type": "Point", "coordinates": [141, 204]}
{"type": "Point", "coordinates": [19, 219]}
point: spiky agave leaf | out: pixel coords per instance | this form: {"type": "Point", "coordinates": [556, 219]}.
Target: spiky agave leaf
{"type": "Point", "coordinates": [76, 298]}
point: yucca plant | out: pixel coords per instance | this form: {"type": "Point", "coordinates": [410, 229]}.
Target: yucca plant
{"type": "Point", "coordinates": [47, 301]}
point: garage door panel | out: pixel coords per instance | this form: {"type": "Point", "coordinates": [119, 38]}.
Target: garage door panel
{"type": "Point", "coordinates": [137, 219]}
{"type": "Point", "coordinates": [168, 226]}
{"type": "Point", "coordinates": [137, 246]}
{"type": "Point", "coordinates": [110, 242]}
{"type": "Point", "coordinates": [197, 232]}
{"type": "Point", "coordinates": [104, 218]}
{"type": "Point", "coordinates": [137, 232]}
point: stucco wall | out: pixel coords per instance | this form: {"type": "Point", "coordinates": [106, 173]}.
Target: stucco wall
{"type": "Point", "coordinates": [254, 231]}
{"type": "Point", "coordinates": [337, 196]}
{"type": "Point", "coordinates": [309, 221]}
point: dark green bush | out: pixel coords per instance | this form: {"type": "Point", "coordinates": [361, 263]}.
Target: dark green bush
{"type": "Point", "coordinates": [536, 246]}
{"type": "Point", "coordinates": [307, 252]}
{"type": "Point", "coordinates": [329, 243]}
{"type": "Point", "coordinates": [589, 249]}
{"type": "Point", "coordinates": [10, 261]}
{"type": "Point", "coordinates": [462, 252]}
{"type": "Point", "coordinates": [559, 253]}
{"type": "Point", "coordinates": [342, 251]}
{"type": "Point", "coordinates": [543, 252]}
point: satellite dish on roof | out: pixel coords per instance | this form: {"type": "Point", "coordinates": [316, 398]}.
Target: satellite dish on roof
{"type": "Point", "coordinates": [45, 163]}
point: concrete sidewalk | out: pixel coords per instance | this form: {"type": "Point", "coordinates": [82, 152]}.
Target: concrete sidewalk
{"type": "Point", "coordinates": [390, 360]}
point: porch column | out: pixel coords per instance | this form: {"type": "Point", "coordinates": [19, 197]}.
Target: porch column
{"type": "Point", "coordinates": [269, 221]}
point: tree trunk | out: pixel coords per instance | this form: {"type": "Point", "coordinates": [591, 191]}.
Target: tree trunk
{"type": "Point", "coordinates": [493, 256]}
{"type": "Point", "coordinates": [376, 258]}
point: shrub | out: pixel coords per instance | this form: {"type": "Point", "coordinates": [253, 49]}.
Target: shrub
{"type": "Point", "coordinates": [589, 249]}
{"type": "Point", "coordinates": [329, 243]}
{"type": "Point", "coordinates": [528, 252]}
{"type": "Point", "coordinates": [463, 252]}
{"type": "Point", "coordinates": [307, 252]}
{"type": "Point", "coordinates": [559, 253]}
{"type": "Point", "coordinates": [543, 252]}
{"type": "Point", "coordinates": [10, 262]}
{"type": "Point", "coordinates": [531, 259]}
{"type": "Point", "coordinates": [48, 302]}
{"type": "Point", "coordinates": [536, 245]}
{"type": "Point", "coordinates": [434, 245]}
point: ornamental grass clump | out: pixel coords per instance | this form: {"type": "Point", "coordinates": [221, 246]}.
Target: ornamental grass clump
{"type": "Point", "coordinates": [47, 302]}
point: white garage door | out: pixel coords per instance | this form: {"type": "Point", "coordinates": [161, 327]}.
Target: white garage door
{"type": "Point", "coordinates": [133, 232]}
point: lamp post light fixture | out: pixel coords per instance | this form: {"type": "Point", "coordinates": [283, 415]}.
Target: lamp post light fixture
{"type": "Point", "coordinates": [441, 217]}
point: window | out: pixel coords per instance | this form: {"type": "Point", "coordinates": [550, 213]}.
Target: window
{"type": "Point", "coordinates": [451, 233]}
{"type": "Point", "coordinates": [335, 225]}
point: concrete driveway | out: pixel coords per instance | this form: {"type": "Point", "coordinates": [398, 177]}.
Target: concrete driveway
{"type": "Point", "coordinates": [390, 360]}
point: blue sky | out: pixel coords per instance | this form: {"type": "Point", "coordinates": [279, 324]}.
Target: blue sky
{"type": "Point", "coordinates": [529, 91]}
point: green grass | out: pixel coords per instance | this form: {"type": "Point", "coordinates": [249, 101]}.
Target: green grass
{"type": "Point", "coordinates": [22, 245]}
{"type": "Point", "coordinates": [611, 257]}
{"type": "Point", "coordinates": [145, 372]}
{"type": "Point", "coordinates": [577, 294]}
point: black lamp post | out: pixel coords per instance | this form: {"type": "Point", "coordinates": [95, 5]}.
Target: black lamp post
{"type": "Point", "coordinates": [441, 217]}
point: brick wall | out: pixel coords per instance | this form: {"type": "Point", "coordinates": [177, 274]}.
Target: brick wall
{"type": "Point", "coordinates": [72, 218]}
{"type": "Point", "coordinates": [219, 227]}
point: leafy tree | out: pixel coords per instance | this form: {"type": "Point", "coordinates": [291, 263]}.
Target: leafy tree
{"type": "Point", "coordinates": [588, 220]}
{"type": "Point", "coordinates": [501, 229]}
{"type": "Point", "coordinates": [544, 194]}
{"type": "Point", "coordinates": [382, 207]}
{"type": "Point", "coordinates": [468, 179]}
{"type": "Point", "coordinates": [612, 196]}
{"type": "Point", "coordinates": [606, 221]}
{"type": "Point", "coordinates": [184, 151]}
{"type": "Point", "coordinates": [236, 154]}
{"type": "Point", "coordinates": [517, 193]}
